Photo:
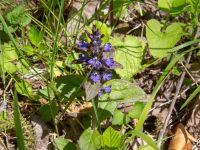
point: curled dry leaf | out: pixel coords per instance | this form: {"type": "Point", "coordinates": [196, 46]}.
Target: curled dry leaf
{"type": "Point", "coordinates": [181, 140]}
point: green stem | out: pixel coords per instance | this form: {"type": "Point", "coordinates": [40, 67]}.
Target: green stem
{"type": "Point", "coordinates": [95, 105]}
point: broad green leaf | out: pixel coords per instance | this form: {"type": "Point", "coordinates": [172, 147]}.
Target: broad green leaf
{"type": "Point", "coordinates": [46, 93]}
{"type": "Point", "coordinates": [111, 138]}
{"type": "Point", "coordinates": [35, 36]}
{"type": "Point", "coordinates": [173, 7]}
{"type": "Point", "coordinates": [162, 42]}
{"type": "Point", "coordinates": [48, 111]}
{"type": "Point", "coordinates": [129, 53]}
{"type": "Point", "coordinates": [69, 61]}
{"type": "Point", "coordinates": [119, 118]}
{"type": "Point", "coordinates": [64, 144]}
{"type": "Point", "coordinates": [9, 58]}
{"type": "Point", "coordinates": [10, 67]}
{"type": "Point", "coordinates": [123, 91]}
{"type": "Point", "coordinates": [29, 50]}
{"type": "Point", "coordinates": [24, 88]}
{"type": "Point", "coordinates": [9, 53]}
{"type": "Point", "coordinates": [70, 86]}
{"type": "Point", "coordinates": [106, 109]}
{"type": "Point", "coordinates": [90, 140]}
{"type": "Point", "coordinates": [137, 110]}
{"type": "Point", "coordinates": [18, 16]}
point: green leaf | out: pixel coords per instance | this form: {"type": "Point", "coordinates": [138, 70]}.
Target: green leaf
{"type": "Point", "coordinates": [173, 7]}
{"type": "Point", "coordinates": [24, 88]}
{"type": "Point", "coordinates": [111, 138]}
{"type": "Point", "coordinates": [123, 91]}
{"type": "Point", "coordinates": [9, 52]}
{"type": "Point", "coordinates": [69, 61]}
{"type": "Point", "coordinates": [48, 111]}
{"type": "Point", "coordinates": [120, 118]}
{"type": "Point", "coordinates": [29, 50]}
{"type": "Point", "coordinates": [7, 57]}
{"type": "Point", "coordinates": [106, 109]}
{"type": "Point", "coordinates": [129, 53]}
{"type": "Point", "coordinates": [137, 110]}
{"type": "Point", "coordinates": [35, 36]}
{"type": "Point", "coordinates": [64, 144]}
{"type": "Point", "coordinates": [161, 43]}
{"type": "Point", "coordinates": [46, 93]}
{"type": "Point", "coordinates": [90, 140]}
{"type": "Point", "coordinates": [10, 67]}
{"type": "Point", "coordinates": [18, 16]}
{"type": "Point", "coordinates": [69, 86]}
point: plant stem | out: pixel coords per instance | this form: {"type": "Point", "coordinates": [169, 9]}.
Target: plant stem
{"type": "Point", "coordinates": [95, 105]}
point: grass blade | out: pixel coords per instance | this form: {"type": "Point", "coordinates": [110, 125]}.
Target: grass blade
{"type": "Point", "coordinates": [166, 72]}
{"type": "Point", "coordinates": [196, 91]}
{"type": "Point", "coordinates": [17, 121]}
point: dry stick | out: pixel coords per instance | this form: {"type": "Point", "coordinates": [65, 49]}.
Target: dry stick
{"type": "Point", "coordinates": [162, 132]}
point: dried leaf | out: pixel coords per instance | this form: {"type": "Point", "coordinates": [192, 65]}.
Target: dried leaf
{"type": "Point", "coordinates": [92, 90]}
{"type": "Point", "coordinates": [181, 139]}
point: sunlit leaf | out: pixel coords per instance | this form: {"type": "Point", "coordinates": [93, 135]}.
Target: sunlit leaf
{"type": "Point", "coordinates": [111, 138]}
{"type": "Point", "coordinates": [162, 42]}
{"type": "Point", "coordinates": [136, 110]}
{"type": "Point", "coordinates": [106, 109]}
{"type": "Point", "coordinates": [173, 7]}
{"type": "Point", "coordinates": [64, 144]}
{"type": "Point", "coordinates": [123, 91]}
{"type": "Point", "coordinates": [90, 140]}
{"type": "Point", "coordinates": [120, 118]}
{"type": "Point", "coordinates": [35, 36]}
{"type": "Point", "coordinates": [129, 53]}
{"type": "Point", "coordinates": [18, 16]}
{"type": "Point", "coordinates": [24, 88]}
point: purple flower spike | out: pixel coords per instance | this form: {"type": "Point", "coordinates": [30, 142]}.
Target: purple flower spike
{"type": "Point", "coordinates": [83, 58]}
{"type": "Point", "coordinates": [95, 77]}
{"type": "Point", "coordinates": [109, 62]}
{"type": "Point", "coordinates": [100, 93]}
{"type": "Point", "coordinates": [107, 76]}
{"type": "Point", "coordinates": [107, 89]}
{"type": "Point", "coordinates": [95, 63]}
{"type": "Point", "coordinates": [82, 45]}
{"type": "Point", "coordinates": [107, 47]}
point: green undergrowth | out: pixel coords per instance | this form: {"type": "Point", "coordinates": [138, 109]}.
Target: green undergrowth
{"type": "Point", "coordinates": [36, 45]}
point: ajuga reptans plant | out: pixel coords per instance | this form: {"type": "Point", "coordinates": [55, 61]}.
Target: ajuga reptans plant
{"type": "Point", "coordinates": [97, 59]}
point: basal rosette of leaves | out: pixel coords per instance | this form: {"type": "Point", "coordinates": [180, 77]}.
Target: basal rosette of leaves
{"type": "Point", "coordinates": [98, 62]}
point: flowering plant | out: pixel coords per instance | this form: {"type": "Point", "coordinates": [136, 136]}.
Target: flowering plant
{"type": "Point", "coordinates": [97, 60]}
